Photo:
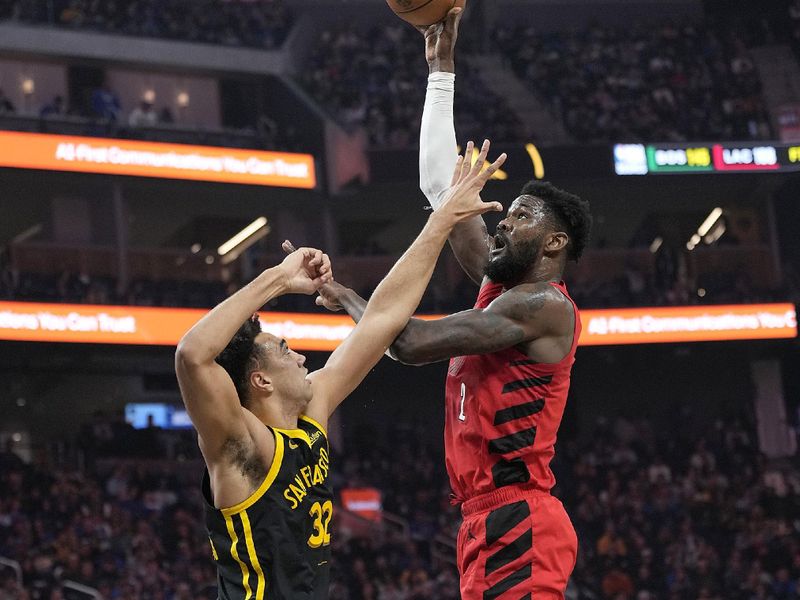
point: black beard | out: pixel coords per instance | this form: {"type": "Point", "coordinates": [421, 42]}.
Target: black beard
{"type": "Point", "coordinates": [514, 264]}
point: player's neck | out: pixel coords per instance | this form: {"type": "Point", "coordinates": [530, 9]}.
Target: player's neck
{"type": "Point", "coordinates": [545, 271]}
{"type": "Point", "coordinates": [271, 412]}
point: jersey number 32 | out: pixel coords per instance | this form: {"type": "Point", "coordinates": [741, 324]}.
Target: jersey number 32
{"type": "Point", "coordinates": [322, 513]}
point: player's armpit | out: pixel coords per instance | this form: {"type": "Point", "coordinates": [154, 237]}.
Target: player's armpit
{"type": "Point", "coordinates": [520, 315]}
{"type": "Point", "coordinates": [213, 405]}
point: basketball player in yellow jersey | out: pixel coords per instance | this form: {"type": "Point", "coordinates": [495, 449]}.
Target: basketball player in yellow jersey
{"type": "Point", "coordinates": [261, 417]}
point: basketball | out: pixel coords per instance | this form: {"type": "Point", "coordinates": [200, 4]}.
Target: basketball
{"type": "Point", "coordinates": [423, 12]}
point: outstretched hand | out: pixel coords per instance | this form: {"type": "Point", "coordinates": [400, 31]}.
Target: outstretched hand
{"type": "Point", "coordinates": [440, 42]}
{"type": "Point", "coordinates": [306, 269]}
{"type": "Point", "coordinates": [329, 292]}
{"type": "Point", "coordinates": [463, 199]}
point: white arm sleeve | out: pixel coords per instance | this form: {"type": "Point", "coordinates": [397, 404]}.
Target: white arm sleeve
{"type": "Point", "coordinates": [437, 144]}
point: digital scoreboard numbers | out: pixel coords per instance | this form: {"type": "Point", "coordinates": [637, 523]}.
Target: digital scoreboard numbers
{"type": "Point", "coordinates": [657, 159]}
{"type": "Point", "coordinates": [746, 158]}
{"type": "Point", "coordinates": [679, 160]}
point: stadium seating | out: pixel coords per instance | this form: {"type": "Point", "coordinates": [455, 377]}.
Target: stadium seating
{"type": "Point", "coordinates": [604, 278]}
{"type": "Point", "coordinates": [661, 81]}
{"type": "Point", "coordinates": [666, 82]}
{"type": "Point", "coordinates": [377, 79]}
{"type": "Point", "coordinates": [259, 25]}
{"type": "Point", "coordinates": [661, 512]}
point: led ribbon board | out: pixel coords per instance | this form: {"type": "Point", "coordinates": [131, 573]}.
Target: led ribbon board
{"type": "Point", "coordinates": [155, 159]}
{"type": "Point", "coordinates": [657, 159]}
{"type": "Point", "coordinates": [89, 324]}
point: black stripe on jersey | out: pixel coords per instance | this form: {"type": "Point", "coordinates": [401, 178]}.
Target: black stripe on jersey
{"type": "Point", "coordinates": [523, 384]}
{"type": "Point", "coordinates": [513, 442]}
{"type": "Point", "coordinates": [502, 520]}
{"type": "Point", "coordinates": [518, 411]}
{"type": "Point", "coordinates": [526, 596]}
{"type": "Point", "coordinates": [522, 363]}
{"type": "Point", "coordinates": [510, 553]}
{"type": "Point", "coordinates": [502, 586]}
{"type": "Point", "coordinates": [509, 472]}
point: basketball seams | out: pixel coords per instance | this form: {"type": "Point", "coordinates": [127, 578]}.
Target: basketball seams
{"type": "Point", "coordinates": [406, 12]}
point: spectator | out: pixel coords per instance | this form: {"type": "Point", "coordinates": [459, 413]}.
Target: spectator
{"type": "Point", "coordinates": [267, 130]}
{"type": "Point", "coordinates": [54, 108]}
{"type": "Point", "coordinates": [105, 104]}
{"type": "Point", "coordinates": [6, 106]}
{"type": "Point", "coordinates": [165, 116]}
{"type": "Point", "coordinates": [143, 115]}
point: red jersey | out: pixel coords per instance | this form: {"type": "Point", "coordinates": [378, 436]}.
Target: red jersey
{"type": "Point", "coordinates": [502, 413]}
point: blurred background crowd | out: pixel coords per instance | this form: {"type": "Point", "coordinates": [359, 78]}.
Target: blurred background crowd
{"type": "Point", "coordinates": [669, 79]}
{"type": "Point", "coordinates": [662, 511]}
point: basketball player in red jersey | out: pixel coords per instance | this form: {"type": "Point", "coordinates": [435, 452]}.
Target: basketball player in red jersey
{"type": "Point", "coordinates": [510, 362]}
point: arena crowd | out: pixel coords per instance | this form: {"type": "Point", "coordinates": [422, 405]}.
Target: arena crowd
{"type": "Point", "coordinates": [262, 24]}
{"type": "Point", "coordinates": [665, 82]}
{"type": "Point", "coordinates": [632, 288]}
{"type": "Point", "coordinates": [377, 79]}
{"type": "Point", "coordinates": [661, 511]}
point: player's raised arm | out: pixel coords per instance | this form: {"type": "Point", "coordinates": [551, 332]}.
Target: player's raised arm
{"type": "Point", "coordinates": [438, 145]}
{"type": "Point", "coordinates": [469, 240]}
{"type": "Point", "coordinates": [208, 392]}
{"type": "Point", "coordinates": [398, 295]}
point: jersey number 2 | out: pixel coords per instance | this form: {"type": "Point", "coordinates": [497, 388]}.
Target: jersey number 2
{"type": "Point", "coordinates": [322, 514]}
{"type": "Point", "coordinates": [461, 415]}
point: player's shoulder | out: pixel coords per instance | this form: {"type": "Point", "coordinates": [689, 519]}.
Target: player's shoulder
{"type": "Point", "coordinates": [533, 301]}
{"type": "Point", "coordinates": [539, 294]}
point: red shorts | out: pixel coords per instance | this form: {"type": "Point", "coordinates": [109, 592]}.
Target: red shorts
{"type": "Point", "coordinates": [515, 544]}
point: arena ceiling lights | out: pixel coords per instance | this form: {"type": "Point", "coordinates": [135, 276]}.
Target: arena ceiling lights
{"type": "Point", "coordinates": [709, 231]}
{"type": "Point", "coordinates": [233, 248]}
{"type": "Point", "coordinates": [155, 159]}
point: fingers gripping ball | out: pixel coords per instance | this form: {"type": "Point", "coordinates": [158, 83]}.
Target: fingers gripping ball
{"type": "Point", "coordinates": [423, 12]}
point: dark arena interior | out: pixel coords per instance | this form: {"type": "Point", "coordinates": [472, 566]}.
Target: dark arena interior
{"type": "Point", "coordinates": [154, 155]}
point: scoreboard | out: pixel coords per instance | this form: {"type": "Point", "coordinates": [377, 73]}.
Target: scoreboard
{"type": "Point", "coordinates": [733, 157]}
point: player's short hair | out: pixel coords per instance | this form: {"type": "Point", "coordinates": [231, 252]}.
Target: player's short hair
{"type": "Point", "coordinates": [568, 211]}
{"type": "Point", "coordinates": [242, 356]}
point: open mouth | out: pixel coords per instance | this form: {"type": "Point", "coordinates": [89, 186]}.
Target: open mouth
{"type": "Point", "coordinates": [499, 244]}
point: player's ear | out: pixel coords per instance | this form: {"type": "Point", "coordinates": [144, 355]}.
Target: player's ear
{"type": "Point", "coordinates": [261, 382]}
{"type": "Point", "coordinates": [556, 241]}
